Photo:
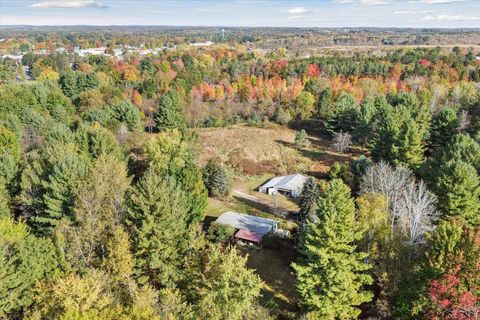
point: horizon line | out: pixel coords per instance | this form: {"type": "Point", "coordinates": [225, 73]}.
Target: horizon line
{"type": "Point", "coordinates": [231, 27]}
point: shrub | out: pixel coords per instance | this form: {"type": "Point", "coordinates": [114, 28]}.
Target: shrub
{"type": "Point", "coordinates": [301, 139]}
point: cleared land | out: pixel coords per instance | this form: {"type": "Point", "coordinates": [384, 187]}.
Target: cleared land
{"type": "Point", "coordinates": [255, 155]}
{"type": "Point", "coordinates": [255, 151]}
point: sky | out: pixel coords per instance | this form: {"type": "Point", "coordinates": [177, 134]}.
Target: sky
{"type": "Point", "coordinates": [250, 13]}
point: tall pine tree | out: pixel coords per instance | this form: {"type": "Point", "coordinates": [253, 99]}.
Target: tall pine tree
{"type": "Point", "coordinates": [170, 112]}
{"type": "Point", "coordinates": [157, 220]}
{"type": "Point", "coordinates": [330, 275]}
{"type": "Point", "coordinates": [444, 127]}
{"type": "Point", "coordinates": [457, 186]}
{"type": "Point", "coordinates": [308, 200]}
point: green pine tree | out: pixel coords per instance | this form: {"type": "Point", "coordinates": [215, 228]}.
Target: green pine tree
{"type": "Point", "coordinates": [226, 288]}
{"type": "Point", "coordinates": [462, 147]}
{"type": "Point", "coordinates": [24, 261]}
{"type": "Point", "coordinates": [216, 180]}
{"type": "Point", "coordinates": [364, 121]}
{"type": "Point", "coordinates": [331, 274]}
{"type": "Point", "coordinates": [4, 202]}
{"type": "Point", "coordinates": [170, 112]}
{"type": "Point", "coordinates": [399, 138]}
{"type": "Point", "coordinates": [157, 220]}
{"type": "Point", "coordinates": [444, 127]}
{"type": "Point", "coordinates": [170, 154]}
{"type": "Point", "coordinates": [65, 175]}
{"type": "Point", "coordinates": [9, 156]}
{"type": "Point", "coordinates": [457, 186]}
{"type": "Point", "coordinates": [309, 197]}
{"type": "Point", "coordinates": [410, 146]}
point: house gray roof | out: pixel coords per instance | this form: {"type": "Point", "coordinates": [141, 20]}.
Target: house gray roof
{"type": "Point", "coordinates": [246, 222]}
{"type": "Point", "coordinates": [290, 182]}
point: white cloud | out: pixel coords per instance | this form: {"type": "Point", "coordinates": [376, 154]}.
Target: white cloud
{"type": "Point", "coordinates": [405, 12]}
{"type": "Point", "coordinates": [435, 1]}
{"type": "Point", "coordinates": [411, 12]}
{"type": "Point", "coordinates": [450, 18]}
{"type": "Point", "coordinates": [69, 4]}
{"type": "Point", "coordinates": [374, 2]}
{"type": "Point", "coordinates": [364, 2]}
{"type": "Point", "coordinates": [297, 10]}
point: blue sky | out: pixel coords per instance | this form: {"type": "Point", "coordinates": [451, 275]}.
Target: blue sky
{"type": "Point", "coordinates": [305, 13]}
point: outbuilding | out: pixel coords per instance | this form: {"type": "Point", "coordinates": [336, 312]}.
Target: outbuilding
{"type": "Point", "coordinates": [251, 229]}
{"type": "Point", "coordinates": [290, 185]}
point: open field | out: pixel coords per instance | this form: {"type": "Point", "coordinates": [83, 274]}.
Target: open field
{"type": "Point", "coordinates": [255, 151]}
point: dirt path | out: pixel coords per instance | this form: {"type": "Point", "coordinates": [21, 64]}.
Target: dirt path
{"type": "Point", "coordinates": [248, 196]}
{"type": "Point", "coordinates": [261, 202]}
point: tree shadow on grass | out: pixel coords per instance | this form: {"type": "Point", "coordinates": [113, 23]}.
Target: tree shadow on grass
{"type": "Point", "coordinates": [274, 267]}
{"type": "Point", "coordinates": [322, 155]}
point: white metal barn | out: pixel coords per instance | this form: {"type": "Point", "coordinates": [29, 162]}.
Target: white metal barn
{"type": "Point", "coordinates": [290, 185]}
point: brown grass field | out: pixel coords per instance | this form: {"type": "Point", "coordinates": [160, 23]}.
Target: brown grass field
{"type": "Point", "coordinates": [253, 151]}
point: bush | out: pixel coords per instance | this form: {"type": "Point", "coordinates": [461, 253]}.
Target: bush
{"type": "Point", "coordinates": [301, 139]}
{"type": "Point", "coordinates": [219, 233]}
{"type": "Point", "coordinates": [342, 171]}
{"type": "Point", "coordinates": [213, 123]}
{"type": "Point", "coordinates": [254, 120]}
{"type": "Point", "coordinates": [282, 116]}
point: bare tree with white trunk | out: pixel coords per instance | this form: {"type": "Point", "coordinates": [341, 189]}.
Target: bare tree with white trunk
{"type": "Point", "coordinates": [342, 141]}
{"type": "Point", "coordinates": [464, 120]}
{"type": "Point", "coordinates": [413, 207]}
{"type": "Point", "coordinates": [417, 211]}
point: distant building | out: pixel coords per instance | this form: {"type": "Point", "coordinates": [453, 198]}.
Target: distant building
{"type": "Point", "coordinates": [251, 229]}
{"type": "Point", "coordinates": [478, 57]}
{"type": "Point", "coordinates": [290, 185]}
{"type": "Point", "coordinates": [202, 44]}
{"type": "Point", "coordinates": [15, 57]}
{"type": "Point", "coordinates": [90, 51]}
{"type": "Point", "coordinates": [425, 63]}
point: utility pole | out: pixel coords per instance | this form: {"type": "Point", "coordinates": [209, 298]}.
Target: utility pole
{"type": "Point", "coordinates": [275, 191]}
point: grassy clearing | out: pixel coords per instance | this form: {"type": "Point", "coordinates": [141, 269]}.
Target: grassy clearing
{"type": "Point", "coordinates": [274, 268]}
{"type": "Point", "coordinates": [255, 151]}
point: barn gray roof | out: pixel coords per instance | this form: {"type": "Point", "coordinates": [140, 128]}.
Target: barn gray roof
{"type": "Point", "coordinates": [291, 182]}
{"type": "Point", "coordinates": [244, 221]}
